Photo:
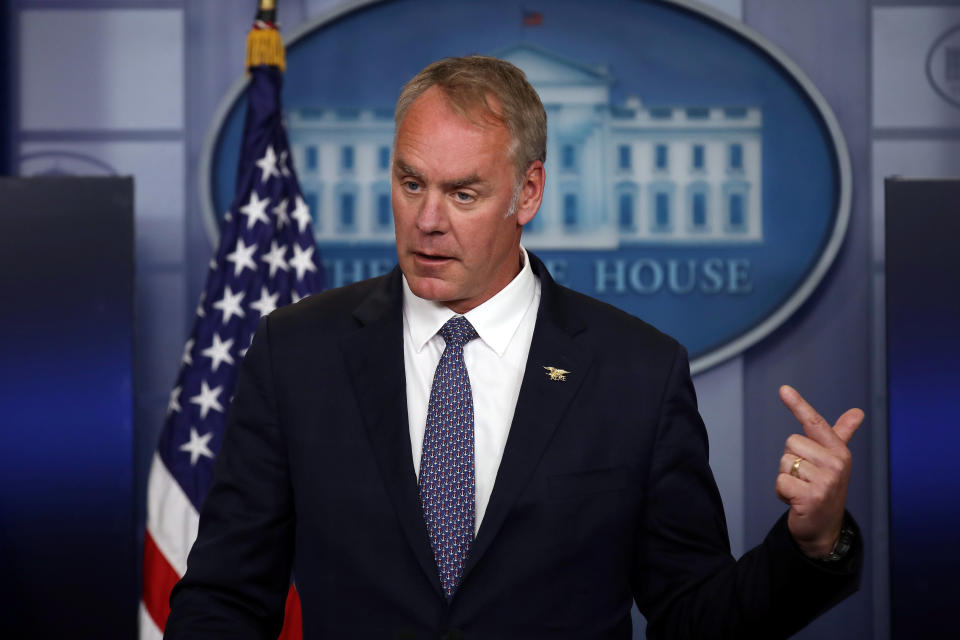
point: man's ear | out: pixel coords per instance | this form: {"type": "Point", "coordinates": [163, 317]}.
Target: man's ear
{"type": "Point", "coordinates": [531, 192]}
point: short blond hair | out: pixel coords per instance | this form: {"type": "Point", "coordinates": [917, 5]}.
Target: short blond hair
{"type": "Point", "coordinates": [468, 83]}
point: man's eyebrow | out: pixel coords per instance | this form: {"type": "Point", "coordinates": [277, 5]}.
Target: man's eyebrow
{"type": "Point", "coordinates": [463, 182]}
{"type": "Point", "coordinates": [404, 168]}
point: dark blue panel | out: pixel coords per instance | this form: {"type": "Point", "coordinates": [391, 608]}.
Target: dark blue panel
{"type": "Point", "coordinates": [923, 349]}
{"type": "Point", "coordinates": [66, 464]}
{"type": "Point", "coordinates": [6, 84]}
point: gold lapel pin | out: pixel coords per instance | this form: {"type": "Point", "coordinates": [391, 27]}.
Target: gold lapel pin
{"type": "Point", "coordinates": [557, 374]}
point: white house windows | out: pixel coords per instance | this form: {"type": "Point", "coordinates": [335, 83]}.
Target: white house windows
{"type": "Point", "coordinates": [382, 207]}
{"type": "Point", "coordinates": [698, 158]}
{"type": "Point", "coordinates": [698, 194]}
{"type": "Point", "coordinates": [346, 198]}
{"type": "Point", "coordinates": [659, 187]}
{"type": "Point", "coordinates": [698, 213]}
{"type": "Point", "coordinates": [625, 205]}
{"type": "Point", "coordinates": [310, 159]}
{"type": "Point", "coordinates": [661, 211]}
{"type": "Point", "coordinates": [384, 213]}
{"type": "Point", "coordinates": [661, 207]}
{"type": "Point", "coordinates": [737, 220]}
{"type": "Point", "coordinates": [735, 157]}
{"type": "Point", "coordinates": [346, 158]}
{"type": "Point", "coordinates": [661, 158]}
{"type": "Point", "coordinates": [629, 174]}
{"type": "Point", "coordinates": [626, 202]}
{"type": "Point", "coordinates": [570, 205]}
{"type": "Point", "coordinates": [568, 157]}
{"type": "Point", "coordinates": [571, 210]}
{"type": "Point", "coordinates": [735, 206]}
{"type": "Point", "coordinates": [348, 206]}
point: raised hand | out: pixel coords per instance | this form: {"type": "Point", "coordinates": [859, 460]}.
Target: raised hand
{"type": "Point", "coordinates": [816, 486]}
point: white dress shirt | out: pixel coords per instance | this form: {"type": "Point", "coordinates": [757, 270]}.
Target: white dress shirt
{"type": "Point", "coordinates": [495, 362]}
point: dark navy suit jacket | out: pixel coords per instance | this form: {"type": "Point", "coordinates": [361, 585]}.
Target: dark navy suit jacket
{"type": "Point", "coordinates": [603, 496]}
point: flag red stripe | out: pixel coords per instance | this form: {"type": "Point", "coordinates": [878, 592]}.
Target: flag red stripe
{"type": "Point", "coordinates": [158, 580]}
{"type": "Point", "coordinates": [292, 620]}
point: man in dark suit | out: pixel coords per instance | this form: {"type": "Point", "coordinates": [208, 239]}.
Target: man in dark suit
{"type": "Point", "coordinates": [559, 465]}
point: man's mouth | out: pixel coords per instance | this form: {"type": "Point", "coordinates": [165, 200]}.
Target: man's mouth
{"type": "Point", "coordinates": [431, 258]}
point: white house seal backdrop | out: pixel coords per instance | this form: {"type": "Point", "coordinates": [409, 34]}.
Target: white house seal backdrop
{"type": "Point", "coordinates": [695, 177]}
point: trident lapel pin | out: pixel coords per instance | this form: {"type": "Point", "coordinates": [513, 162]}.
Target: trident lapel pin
{"type": "Point", "coordinates": [557, 374]}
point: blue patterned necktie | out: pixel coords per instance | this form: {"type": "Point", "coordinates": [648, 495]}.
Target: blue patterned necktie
{"type": "Point", "coordinates": [446, 464]}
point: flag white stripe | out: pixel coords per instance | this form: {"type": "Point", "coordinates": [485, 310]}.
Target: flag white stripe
{"type": "Point", "coordinates": [171, 518]}
{"type": "Point", "coordinates": [148, 629]}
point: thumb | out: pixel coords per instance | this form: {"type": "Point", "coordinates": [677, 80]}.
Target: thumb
{"type": "Point", "coordinates": [848, 424]}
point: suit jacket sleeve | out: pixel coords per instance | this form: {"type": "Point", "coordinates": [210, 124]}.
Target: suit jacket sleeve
{"type": "Point", "coordinates": [238, 571]}
{"type": "Point", "coordinates": [685, 581]}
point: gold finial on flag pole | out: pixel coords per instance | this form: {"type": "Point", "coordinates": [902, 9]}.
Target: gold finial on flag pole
{"type": "Point", "coordinates": [267, 7]}
{"type": "Point", "coordinates": [264, 44]}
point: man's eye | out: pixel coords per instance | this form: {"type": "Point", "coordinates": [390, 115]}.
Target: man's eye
{"type": "Point", "coordinates": [463, 196]}
{"type": "Point", "coordinates": [410, 185]}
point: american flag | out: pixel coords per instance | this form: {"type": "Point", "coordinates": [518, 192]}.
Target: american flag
{"type": "Point", "coordinates": [266, 259]}
{"type": "Point", "coordinates": [532, 18]}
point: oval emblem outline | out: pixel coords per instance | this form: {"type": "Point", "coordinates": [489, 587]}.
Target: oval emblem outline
{"type": "Point", "coordinates": [749, 336]}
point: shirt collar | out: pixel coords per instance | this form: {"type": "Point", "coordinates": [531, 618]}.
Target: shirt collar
{"type": "Point", "coordinates": [496, 320]}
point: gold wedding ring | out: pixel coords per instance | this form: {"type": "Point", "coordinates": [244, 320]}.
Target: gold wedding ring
{"type": "Point", "coordinates": [795, 468]}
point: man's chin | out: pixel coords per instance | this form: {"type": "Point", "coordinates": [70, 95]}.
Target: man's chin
{"type": "Point", "coordinates": [430, 288]}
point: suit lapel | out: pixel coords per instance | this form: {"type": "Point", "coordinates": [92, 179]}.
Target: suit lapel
{"type": "Point", "coordinates": [374, 357]}
{"type": "Point", "coordinates": [540, 406]}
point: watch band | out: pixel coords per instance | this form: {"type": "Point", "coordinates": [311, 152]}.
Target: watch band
{"type": "Point", "coordinates": [843, 544]}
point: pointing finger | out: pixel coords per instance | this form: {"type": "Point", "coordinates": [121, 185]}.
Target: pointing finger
{"type": "Point", "coordinates": [813, 423]}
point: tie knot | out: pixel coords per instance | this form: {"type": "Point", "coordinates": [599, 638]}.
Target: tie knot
{"type": "Point", "coordinates": [457, 331]}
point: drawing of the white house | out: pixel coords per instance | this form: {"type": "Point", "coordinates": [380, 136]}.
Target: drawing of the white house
{"type": "Point", "coordinates": [616, 174]}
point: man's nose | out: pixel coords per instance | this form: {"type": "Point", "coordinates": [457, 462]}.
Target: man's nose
{"type": "Point", "coordinates": [431, 218]}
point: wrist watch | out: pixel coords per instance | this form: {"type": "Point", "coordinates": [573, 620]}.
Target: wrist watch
{"type": "Point", "coordinates": [843, 544]}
